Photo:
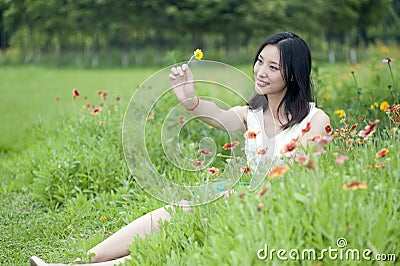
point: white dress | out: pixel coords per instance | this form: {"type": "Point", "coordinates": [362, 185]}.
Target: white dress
{"type": "Point", "coordinates": [260, 162]}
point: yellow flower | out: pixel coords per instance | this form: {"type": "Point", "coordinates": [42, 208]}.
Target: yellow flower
{"type": "Point", "coordinates": [384, 49]}
{"type": "Point", "coordinates": [103, 218]}
{"type": "Point", "coordinates": [341, 113]}
{"type": "Point", "coordinates": [373, 106]}
{"type": "Point", "coordinates": [384, 106]}
{"type": "Point", "coordinates": [198, 54]}
{"type": "Point", "coordinates": [355, 185]}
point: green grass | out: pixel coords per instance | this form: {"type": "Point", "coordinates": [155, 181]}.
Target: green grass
{"type": "Point", "coordinates": [62, 172]}
{"type": "Point", "coordinates": [29, 94]}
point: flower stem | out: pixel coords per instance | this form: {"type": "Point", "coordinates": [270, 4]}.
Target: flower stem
{"type": "Point", "coordinates": [190, 60]}
{"type": "Point", "coordinates": [391, 86]}
{"type": "Point", "coordinates": [358, 88]}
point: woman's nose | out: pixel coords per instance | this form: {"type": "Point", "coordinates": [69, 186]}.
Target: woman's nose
{"type": "Point", "coordinates": [262, 72]}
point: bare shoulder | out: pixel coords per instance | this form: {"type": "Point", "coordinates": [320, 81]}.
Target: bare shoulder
{"type": "Point", "coordinates": [318, 122]}
{"type": "Point", "coordinates": [320, 118]}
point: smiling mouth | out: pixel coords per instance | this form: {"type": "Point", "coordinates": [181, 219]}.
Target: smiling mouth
{"type": "Point", "coordinates": [262, 83]}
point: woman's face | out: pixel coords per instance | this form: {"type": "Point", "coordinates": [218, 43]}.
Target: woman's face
{"type": "Point", "coordinates": [267, 72]}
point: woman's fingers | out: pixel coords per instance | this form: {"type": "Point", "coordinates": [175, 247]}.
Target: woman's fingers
{"type": "Point", "coordinates": [172, 77]}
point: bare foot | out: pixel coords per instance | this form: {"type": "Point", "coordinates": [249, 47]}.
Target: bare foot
{"type": "Point", "coordinates": [35, 261]}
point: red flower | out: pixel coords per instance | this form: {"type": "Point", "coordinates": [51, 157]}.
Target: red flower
{"type": "Point", "coordinates": [246, 169]}
{"type": "Point", "coordinates": [368, 130]}
{"type": "Point", "coordinates": [302, 159]}
{"type": "Point", "coordinates": [353, 127]}
{"type": "Point", "coordinates": [382, 153]}
{"type": "Point", "coordinates": [75, 93]}
{"type": "Point", "coordinates": [250, 135]}
{"type": "Point", "coordinates": [205, 152]}
{"type": "Point", "coordinates": [197, 163]}
{"type": "Point", "coordinates": [261, 151]}
{"type": "Point", "coordinates": [231, 145]}
{"type": "Point", "coordinates": [387, 60]}
{"type": "Point", "coordinates": [96, 111]}
{"type": "Point", "coordinates": [341, 159]}
{"type": "Point", "coordinates": [182, 119]}
{"type": "Point", "coordinates": [324, 140]}
{"type": "Point", "coordinates": [328, 129]}
{"type": "Point", "coordinates": [213, 171]}
{"type": "Point", "coordinates": [306, 129]}
{"type": "Point", "coordinates": [315, 138]}
{"type": "Point", "coordinates": [291, 146]}
{"type": "Point", "coordinates": [104, 95]}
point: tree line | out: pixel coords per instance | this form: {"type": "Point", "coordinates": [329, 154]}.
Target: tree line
{"type": "Point", "coordinates": [55, 27]}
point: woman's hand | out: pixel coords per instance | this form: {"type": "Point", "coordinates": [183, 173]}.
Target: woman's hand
{"type": "Point", "coordinates": [182, 82]}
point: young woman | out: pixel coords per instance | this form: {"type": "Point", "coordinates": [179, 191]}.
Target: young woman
{"type": "Point", "coordinates": [281, 107]}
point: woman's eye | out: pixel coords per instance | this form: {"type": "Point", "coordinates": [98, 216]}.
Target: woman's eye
{"type": "Point", "coordinates": [259, 60]}
{"type": "Point", "coordinates": [274, 68]}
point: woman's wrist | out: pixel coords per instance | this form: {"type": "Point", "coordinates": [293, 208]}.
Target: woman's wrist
{"type": "Point", "coordinates": [191, 104]}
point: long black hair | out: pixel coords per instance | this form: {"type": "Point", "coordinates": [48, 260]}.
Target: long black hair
{"type": "Point", "coordinates": [295, 62]}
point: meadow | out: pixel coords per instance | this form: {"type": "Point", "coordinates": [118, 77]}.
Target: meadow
{"type": "Point", "coordinates": [65, 185]}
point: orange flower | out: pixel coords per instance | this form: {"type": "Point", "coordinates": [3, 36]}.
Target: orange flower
{"type": "Point", "coordinates": [197, 163]}
{"type": "Point", "coordinates": [149, 117]}
{"type": "Point", "coordinates": [103, 218]}
{"type": "Point", "coordinates": [250, 135]}
{"type": "Point", "coordinates": [263, 191]}
{"type": "Point", "coordinates": [213, 171]}
{"type": "Point", "coordinates": [87, 106]}
{"type": "Point", "coordinates": [96, 111]}
{"type": "Point", "coordinates": [278, 171]}
{"type": "Point", "coordinates": [328, 129]}
{"type": "Point", "coordinates": [355, 185]}
{"type": "Point", "coordinates": [311, 165]}
{"type": "Point", "coordinates": [104, 95]}
{"type": "Point", "coordinates": [231, 145]}
{"type": "Point", "coordinates": [306, 129]}
{"type": "Point", "coordinates": [75, 93]}
{"type": "Point", "coordinates": [368, 130]}
{"type": "Point", "coordinates": [382, 153]}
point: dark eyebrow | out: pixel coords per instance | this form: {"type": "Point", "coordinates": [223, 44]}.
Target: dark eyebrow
{"type": "Point", "coordinates": [273, 62]}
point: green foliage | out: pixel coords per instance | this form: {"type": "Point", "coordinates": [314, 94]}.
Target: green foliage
{"type": "Point", "coordinates": [99, 33]}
